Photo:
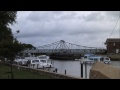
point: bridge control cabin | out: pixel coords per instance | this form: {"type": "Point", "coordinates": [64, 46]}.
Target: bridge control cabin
{"type": "Point", "coordinates": [113, 45]}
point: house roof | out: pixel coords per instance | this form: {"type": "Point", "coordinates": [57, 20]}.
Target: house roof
{"type": "Point", "coordinates": [113, 40]}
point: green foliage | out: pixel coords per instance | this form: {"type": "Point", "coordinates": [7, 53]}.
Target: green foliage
{"type": "Point", "coordinates": [7, 17]}
{"type": "Point", "coordinates": [27, 46]}
{"type": "Point", "coordinates": [6, 36]}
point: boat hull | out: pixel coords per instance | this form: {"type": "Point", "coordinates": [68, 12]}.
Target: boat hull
{"type": "Point", "coordinates": [65, 56]}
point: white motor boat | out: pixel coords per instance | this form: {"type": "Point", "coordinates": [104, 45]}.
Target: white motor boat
{"type": "Point", "coordinates": [23, 61]}
{"type": "Point", "coordinates": [42, 60]}
{"type": "Point", "coordinates": [93, 58]}
{"type": "Point", "coordinates": [40, 63]}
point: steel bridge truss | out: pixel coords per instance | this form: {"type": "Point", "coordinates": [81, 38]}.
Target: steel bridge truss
{"type": "Point", "coordinates": [65, 47]}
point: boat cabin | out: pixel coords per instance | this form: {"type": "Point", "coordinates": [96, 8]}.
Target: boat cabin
{"type": "Point", "coordinates": [86, 56]}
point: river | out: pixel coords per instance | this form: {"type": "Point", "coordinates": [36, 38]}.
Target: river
{"type": "Point", "coordinates": [73, 68]}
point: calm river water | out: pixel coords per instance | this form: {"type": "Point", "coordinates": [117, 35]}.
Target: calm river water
{"type": "Point", "coordinates": [73, 68]}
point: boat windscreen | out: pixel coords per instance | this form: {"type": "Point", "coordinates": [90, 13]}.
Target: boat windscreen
{"type": "Point", "coordinates": [34, 61]}
{"type": "Point", "coordinates": [44, 61]}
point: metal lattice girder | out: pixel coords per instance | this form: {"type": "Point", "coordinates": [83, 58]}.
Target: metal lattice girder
{"type": "Point", "coordinates": [62, 46]}
{"type": "Point", "coordinates": [71, 50]}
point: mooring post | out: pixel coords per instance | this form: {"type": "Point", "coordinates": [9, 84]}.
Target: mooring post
{"type": "Point", "coordinates": [65, 72]}
{"type": "Point", "coordinates": [56, 70]}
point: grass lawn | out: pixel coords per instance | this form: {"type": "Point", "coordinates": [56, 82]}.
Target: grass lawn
{"type": "Point", "coordinates": [18, 74]}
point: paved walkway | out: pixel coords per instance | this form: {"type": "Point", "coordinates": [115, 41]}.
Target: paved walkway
{"type": "Point", "coordinates": [115, 64]}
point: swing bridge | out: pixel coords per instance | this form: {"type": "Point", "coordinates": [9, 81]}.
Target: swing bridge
{"type": "Point", "coordinates": [64, 47]}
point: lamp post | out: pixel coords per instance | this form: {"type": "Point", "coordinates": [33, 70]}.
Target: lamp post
{"type": "Point", "coordinates": [86, 70]}
{"type": "Point", "coordinates": [81, 64]}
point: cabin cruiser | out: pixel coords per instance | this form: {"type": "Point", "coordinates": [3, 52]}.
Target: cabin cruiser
{"type": "Point", "coordinates": [17, 60]}
{"type": "Point", "coordinates": [20, 61]}
{"type": "Point", "coordinates": [40, 63]}
{"type": "Point", "coordinates": [23, 60]}
{"type": "Point", "coordinates": [42, 60]}
{"type": "Point", "coordinates": [93, 58]}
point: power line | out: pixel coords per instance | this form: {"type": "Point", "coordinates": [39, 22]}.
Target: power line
{"type": "Point", "coordinates": [115, 26]}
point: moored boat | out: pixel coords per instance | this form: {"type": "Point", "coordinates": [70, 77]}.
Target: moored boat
{"type": "Point", "coordinates": [65, 56]}
{"type": "Point", "coordinates": [93, 58]}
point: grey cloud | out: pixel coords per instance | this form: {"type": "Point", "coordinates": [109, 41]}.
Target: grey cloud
{"type": "Point", "coordinates": [92, 28]}
{"type": "Point", "coordinates": [94, 16]}
{"type": "Point", "coordinates": [113, 13]}
{"type": "Point", "coordinates": [57, 12]}
{"type": "Point", "coordinates": [40, 28]}
{"type": "Point", "coordinates": [47, 16]}
{"type": "Point", "coordinates": [68, 16]}
{"type": "Point", "coordinates": [40, 16]}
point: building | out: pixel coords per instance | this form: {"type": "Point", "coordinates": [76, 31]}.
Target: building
{"type": "Point", "coordinates": [113, 45]}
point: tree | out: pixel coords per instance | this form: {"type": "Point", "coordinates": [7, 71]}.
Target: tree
{"type": "Point", "coordinates": [9, 46]}
{"type": "Point", "coordinates": [28, 46]}
{"type": "Point", "coordinates": [7, 17]}
{"type": "Point", "coordinates": [6, 36]}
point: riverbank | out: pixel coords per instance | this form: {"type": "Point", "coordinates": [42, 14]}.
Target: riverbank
{"type": "Point", "coordinates": [18, 74]}
{"type": "Point", "coordinates": [48, 74]}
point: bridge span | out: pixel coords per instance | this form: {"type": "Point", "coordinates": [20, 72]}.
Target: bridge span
{"type": "Point", "coordinates": [65, 47]}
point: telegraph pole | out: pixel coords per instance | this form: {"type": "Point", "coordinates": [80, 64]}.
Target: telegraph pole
{"type": "Point", "coordinates": [81, 63]}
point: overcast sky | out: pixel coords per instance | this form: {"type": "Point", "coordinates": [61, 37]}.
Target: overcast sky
{"type": "Point", "coordinates": [86, 28]}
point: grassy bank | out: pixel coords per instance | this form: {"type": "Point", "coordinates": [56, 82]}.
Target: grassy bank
{"type": "Point", "coordinates": [18, 74]}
